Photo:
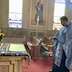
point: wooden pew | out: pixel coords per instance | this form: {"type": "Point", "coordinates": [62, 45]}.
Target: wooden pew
{"type": "Point", "coordinates": [34, 45]}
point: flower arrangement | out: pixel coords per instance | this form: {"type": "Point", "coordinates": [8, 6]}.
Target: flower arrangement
{"type": "Point", "coordinates": [1, 35]}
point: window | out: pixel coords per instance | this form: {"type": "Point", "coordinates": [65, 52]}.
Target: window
{"type": "Point", "coordinates": [59, 11]}
{"type": "Point", "coordinates": [15, 13]}
{"type": "Point", "coordinates": [71, 1]}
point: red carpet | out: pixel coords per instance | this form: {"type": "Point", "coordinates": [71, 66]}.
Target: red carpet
{"type": "Point", "coordinates": [41, 65]}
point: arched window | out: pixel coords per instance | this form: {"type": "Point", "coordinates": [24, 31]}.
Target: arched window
{"type": "Point", "coordinates": [59, 10]}
{"type": "Point", "coordinates": [15, 13]}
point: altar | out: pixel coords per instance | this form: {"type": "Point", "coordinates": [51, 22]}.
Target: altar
{"type": "Point", "coordinates": [11, 56]}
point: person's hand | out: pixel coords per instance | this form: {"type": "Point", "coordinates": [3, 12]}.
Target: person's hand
{"type": "Point", "coordinates": [70, 71]}
{"type": "Point", "coordinates": [50, 38]}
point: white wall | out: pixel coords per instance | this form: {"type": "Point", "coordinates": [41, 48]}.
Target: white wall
{"type": "Point", "coordinates": [4, 7]}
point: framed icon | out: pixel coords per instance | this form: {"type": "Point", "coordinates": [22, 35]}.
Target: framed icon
{"type": "Point", "coordinates": [38, 12]}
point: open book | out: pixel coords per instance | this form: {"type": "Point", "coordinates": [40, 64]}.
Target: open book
{"type": "Point", "coordinates": [17, 47]}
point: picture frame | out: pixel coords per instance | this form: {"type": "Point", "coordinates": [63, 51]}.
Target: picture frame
{"type": "Point", "coordinates": [38, 17]}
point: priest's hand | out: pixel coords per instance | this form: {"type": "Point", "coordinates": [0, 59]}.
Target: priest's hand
{"type": "Point", "coordinates": [50, 38]}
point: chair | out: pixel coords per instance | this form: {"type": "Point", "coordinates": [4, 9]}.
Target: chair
{"type": "Point", "coordinates": [34, 45]}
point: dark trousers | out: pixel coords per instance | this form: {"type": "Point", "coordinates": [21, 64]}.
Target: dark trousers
{"type": "Point", "coordinates": [62, 67]}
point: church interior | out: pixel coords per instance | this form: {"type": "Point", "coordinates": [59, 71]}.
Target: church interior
{"type": "Point", "coordinates": [27, 26]}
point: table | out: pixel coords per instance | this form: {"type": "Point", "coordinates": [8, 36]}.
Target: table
{"type": "Point", "coordinates": [11, 56]}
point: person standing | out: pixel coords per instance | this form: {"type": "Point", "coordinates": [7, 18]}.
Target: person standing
{"type": "Point", "coordinates": [63, 47]}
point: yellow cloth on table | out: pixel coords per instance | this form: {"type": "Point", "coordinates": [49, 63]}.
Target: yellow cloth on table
{"type": "Point", "coordinates": [17, 47]}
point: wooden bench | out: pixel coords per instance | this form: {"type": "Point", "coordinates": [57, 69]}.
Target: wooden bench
{"type": "Point", "coordinates": [34, 45]}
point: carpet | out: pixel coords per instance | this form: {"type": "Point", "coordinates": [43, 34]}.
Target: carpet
{"type": "Point", "coordinates": [40, 65]}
